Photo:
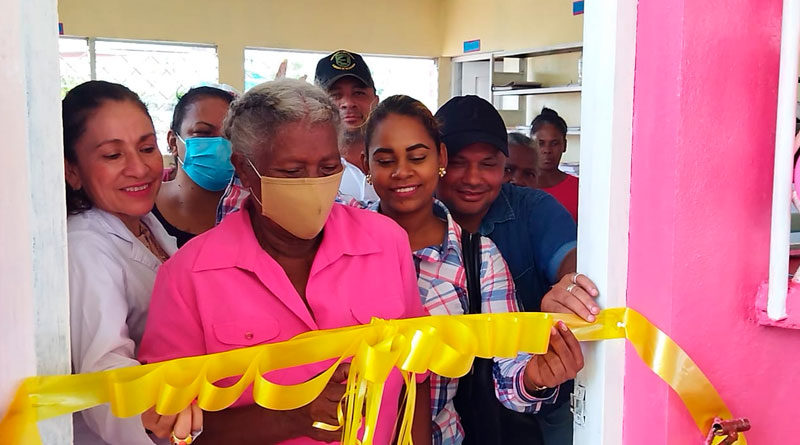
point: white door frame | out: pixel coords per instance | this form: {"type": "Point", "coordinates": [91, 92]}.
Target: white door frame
{"type": "Point", "coordinates": [609, 48]}
{"type": "Point", "coordinates": [34, 301]}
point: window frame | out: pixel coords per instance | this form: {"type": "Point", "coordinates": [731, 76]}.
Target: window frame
{"type": "Point", "coordinates": [780, 227]}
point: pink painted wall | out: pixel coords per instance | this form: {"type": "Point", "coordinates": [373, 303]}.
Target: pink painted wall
{"type": "Point", "coordinates": [703, 134]}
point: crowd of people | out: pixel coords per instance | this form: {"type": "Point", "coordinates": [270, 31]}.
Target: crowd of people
{"type": "Point", "coordinates": [298, 207]}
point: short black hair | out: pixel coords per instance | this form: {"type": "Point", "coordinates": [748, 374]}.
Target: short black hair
{"type": "Point", "coordinates": [78, 106]}
{"type": "Point", "coordinates": [192, 96]}
{"type": "Point", "coordinates": [549, 116]}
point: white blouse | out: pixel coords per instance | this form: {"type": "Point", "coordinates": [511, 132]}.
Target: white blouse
{"type": "Point", "coordinates": [111, 275]}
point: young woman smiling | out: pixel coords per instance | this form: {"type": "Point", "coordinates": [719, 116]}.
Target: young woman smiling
{"type": "Point", "coordinates": [405, 159]}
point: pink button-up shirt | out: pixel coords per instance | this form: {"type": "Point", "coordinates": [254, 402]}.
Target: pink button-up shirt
{"type": "Point", "coordinates": [222, 291]}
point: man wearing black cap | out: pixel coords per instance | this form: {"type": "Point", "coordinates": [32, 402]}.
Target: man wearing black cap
{"type": "Point", "coordinates": [346, 77]}
{"type": "Point", "coordinates": [537, 238]}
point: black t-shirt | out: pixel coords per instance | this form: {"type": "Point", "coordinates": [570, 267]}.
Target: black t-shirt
{"type": "Point", "coordinates": [181, 236]}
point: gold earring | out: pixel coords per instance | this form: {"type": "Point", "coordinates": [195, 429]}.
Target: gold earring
{"type": "Point", "coordinates": [442, 172]}
{"type": "Point", "coordinates": [368, 178]}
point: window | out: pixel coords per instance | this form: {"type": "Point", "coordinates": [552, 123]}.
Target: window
{"type": "Point", "coordinates": [417, 77]}
{"type": "Point", "coordinates": [780, 236]}
{"type": "Point", "coordinates": [74, 62]}
{"type": "Point", "coordinates": [158, 72]}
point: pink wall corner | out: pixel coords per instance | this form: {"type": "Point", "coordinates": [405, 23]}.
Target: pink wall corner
{"type": "Point", "coordinates": [703, 134]}
{"type": "Point", "coordinates": [792, 319]}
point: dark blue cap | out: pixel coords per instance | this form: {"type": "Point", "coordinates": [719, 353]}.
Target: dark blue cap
{"type": "Point", "coordinates": [342, 64]}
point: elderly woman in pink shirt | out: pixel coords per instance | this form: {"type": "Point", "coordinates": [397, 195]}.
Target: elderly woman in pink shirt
{"type": "Point", "coordinates": [289, 262]}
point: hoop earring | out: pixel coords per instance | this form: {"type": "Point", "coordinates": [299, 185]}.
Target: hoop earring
{"type": "Point", "coordinates": [368, 178]}
{"type": "Point", "coordinates": [442, 172]}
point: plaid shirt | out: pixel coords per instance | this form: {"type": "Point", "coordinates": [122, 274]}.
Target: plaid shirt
{"type": "Point", "coordinates": [232, 199]}
{"type": "Point", "coordinates": [443, 289]}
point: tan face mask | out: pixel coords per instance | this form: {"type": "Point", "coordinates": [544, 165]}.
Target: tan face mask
{"type": "Point", "coordinates": [299, 205]}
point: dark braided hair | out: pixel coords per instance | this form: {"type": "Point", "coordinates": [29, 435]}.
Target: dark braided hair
{"type": "Point", "coordinates": [404, 106]}
{"type": "Point", "coordinates": [549, 116]}
{"type": "Point", "coordinates": [78, 106]}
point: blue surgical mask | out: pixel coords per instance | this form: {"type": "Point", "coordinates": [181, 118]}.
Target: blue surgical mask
{"type": "Point", "coordinates": [207, 162]}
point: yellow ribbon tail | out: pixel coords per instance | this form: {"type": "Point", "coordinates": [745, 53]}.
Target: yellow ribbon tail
{"type": "Point", "coordinates": [19, 423]}
{"type": "Point", "coordinates": [662, 355]}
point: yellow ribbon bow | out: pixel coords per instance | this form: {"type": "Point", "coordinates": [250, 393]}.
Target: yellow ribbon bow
{"type": "Point", "coordinates": [445, 345]}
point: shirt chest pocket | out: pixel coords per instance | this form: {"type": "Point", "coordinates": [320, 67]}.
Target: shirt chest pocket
{"type": "Point", "coordinates": [385, 305]}
{"type": "Point", "coordinates": [244, 332]}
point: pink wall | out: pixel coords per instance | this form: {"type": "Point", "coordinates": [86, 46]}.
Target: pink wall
{"type": "Point", "coordinates": [703, 134]}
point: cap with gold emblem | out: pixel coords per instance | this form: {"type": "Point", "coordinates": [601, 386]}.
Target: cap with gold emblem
{"type": "Point", "coordinates": [340, 64]}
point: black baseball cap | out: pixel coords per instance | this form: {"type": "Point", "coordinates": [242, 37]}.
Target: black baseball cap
{"type": "Point", "coordinates": [341, 64]}
{"type": "Point", "coordinates": [465, 120]}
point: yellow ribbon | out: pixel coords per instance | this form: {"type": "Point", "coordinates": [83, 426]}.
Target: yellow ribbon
{"type": "Point", "coordinates": [445, 345]}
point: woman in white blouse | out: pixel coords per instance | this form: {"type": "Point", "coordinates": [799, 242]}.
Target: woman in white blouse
{"type": "Point", "coordinates": [115, 245]}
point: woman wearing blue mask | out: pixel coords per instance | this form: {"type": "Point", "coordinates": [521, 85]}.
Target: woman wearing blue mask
{"type": "Point", "coordinates": [187, 205]}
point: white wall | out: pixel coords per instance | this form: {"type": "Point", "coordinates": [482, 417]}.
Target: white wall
{"type": "Point", "coordinates": [33, 280]}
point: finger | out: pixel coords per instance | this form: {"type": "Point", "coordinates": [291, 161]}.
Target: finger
{"type": "Point", "coordinates": [282, 70]}
{"type": "Point", "coordinates": [334, 392]}
{"type": "Point", "coordinates": [165, 426]}
{"type": "Point", "coordinates": [586, 283]}
{"type": "Point", "coordinates": [565, 358]}
{"type": "Point", "coordinates": [150, 419]}
{"type": "Point", "coordinates": [559, 300]}
{"type": "Point", "coordinates": [197, 418]}
{"type": "Point", "coordinates": [587, 298]}
{"type": "Point", "coordinates": [341, 373]}
{"type": "Point", "coordinates": [183, 424]}
{"type": "Point", "coordinates": [555, 361]}
{"type": "Point", "coordinates": [327, 436]}
{"type": "Point", "coordinates": [329, 413]}
{"type": "Point", "coordinates": [573, 345]}
{"type": "Point", "coordinates": [547, 372]}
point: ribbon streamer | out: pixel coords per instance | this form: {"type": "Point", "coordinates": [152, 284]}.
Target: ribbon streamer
{"type": "Point", "coordinates": [445, 345]}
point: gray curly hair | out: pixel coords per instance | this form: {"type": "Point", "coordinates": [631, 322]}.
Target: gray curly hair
{"type": "Point", "coordinates": [254, 118]}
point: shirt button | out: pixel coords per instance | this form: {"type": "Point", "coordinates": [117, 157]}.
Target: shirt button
{"type": "Point", "coordinates": [248, 336]}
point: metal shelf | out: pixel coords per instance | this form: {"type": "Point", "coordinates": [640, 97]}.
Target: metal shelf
{"type": "Point", "coordinates": [541, 51]}
{"type": "Point", "coordinates": [535, 91]}
{"type": "Point", "coordinates": [473, 57]}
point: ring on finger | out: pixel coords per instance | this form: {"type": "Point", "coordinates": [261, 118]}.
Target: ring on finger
{"type": "Point", "coordinates": [575, 278]}
{"type": "Point", "coordinates": [571, 286]}
{"type": "Point", "coordinates": [175, 440]}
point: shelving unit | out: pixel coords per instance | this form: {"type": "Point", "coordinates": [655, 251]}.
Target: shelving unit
{"type": "Point", "coordinates": [535, 91]}
{"type": "Point", "coordinates": [542, 51]}
{"type": "Point", "coordinates": [481, 73]}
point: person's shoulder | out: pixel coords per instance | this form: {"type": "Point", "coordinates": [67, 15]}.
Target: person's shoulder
{"type": "Point", "coordinates": [367, 220]}
{"type": "Point", "coordinates": [87, 220]}
{"type": "Point", "coordinates": [91, 224]}
{"type": "Point", "coordinates": [524, 195]}
{"type": "Point", "coordinates": [91, 237]}
{"type": "Point", "coordinates": [572, 179]}
{"type": "Point", "coordinates": [533, 203]}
